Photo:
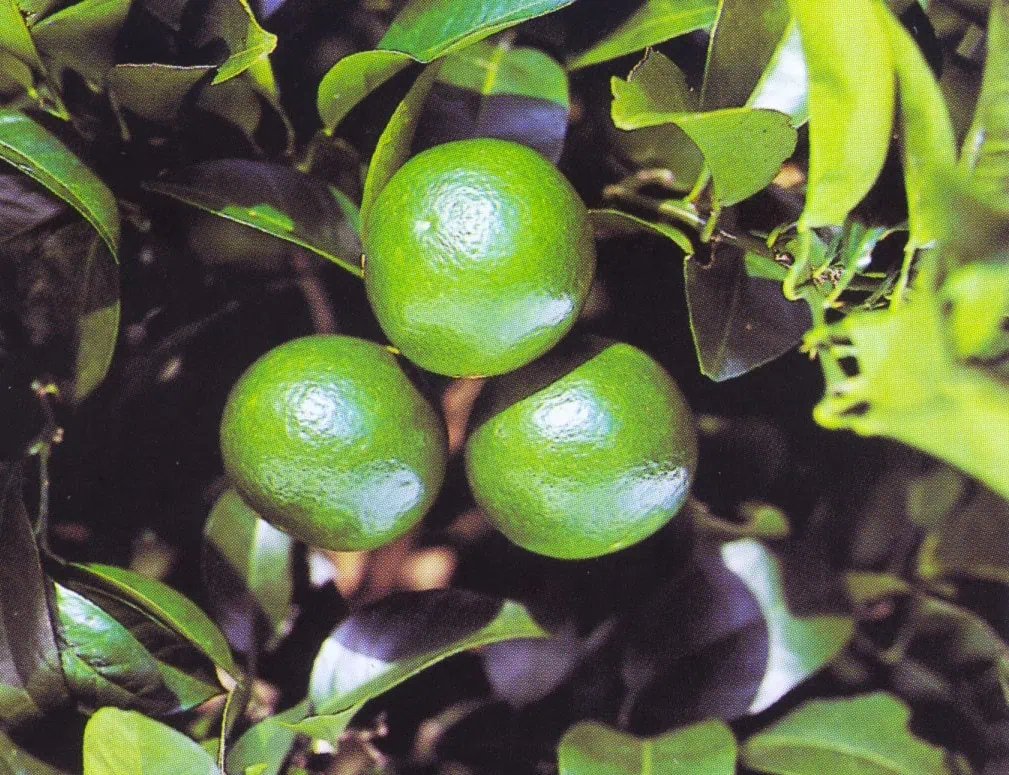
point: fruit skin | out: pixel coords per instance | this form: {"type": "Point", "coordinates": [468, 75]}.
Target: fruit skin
{"type": "Point", "coordinates": [479, 256]}
{"type": "Point", "coordinates": [598, 459]}
{"type": "Point", "coordinates": [327, 438]}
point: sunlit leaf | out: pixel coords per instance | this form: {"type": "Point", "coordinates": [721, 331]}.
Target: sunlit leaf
{"type": "Point", "coordinates": [863, 734]}
{"type": "Point", "coordinates": [590, 748]}
{"type": "Point", "coordinates": [247, 41]}
{"type": "Point", "coordinates": [352, 79]}
{"type": "Point", "coordinates": [378, 647]}
{"type": "Point", "coordinates": [329, 728]}
{"type": "Point", "coordinates": [118, 742]}
{"type": "Point", "coordinates": [266, 744]}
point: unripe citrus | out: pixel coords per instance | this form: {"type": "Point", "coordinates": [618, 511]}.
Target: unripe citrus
{"type": "Point", "coordinates": [582, 455]}
{"type": "Point", "coordinates": [327, 438]}
{"type": "Point", "coordinates": [478, 257]}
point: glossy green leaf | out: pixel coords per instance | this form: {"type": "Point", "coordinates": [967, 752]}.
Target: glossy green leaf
{"type": "Point", "coordinates": [248, 574]}
{"type": "Point", "coordinates": [739, 317]}
{"type": "Point", "coordinates": [31, 678]}
{"type": "Point", "coordinates": [783, 86]}
{"type": "Point", "coordinates": [378, 647]}
{"type": "Point", "coordinates": [743, 147]}
{"type": "Point", "coordinates": [985, 152]}
{"type": "Point", "coordinates": [166, 605]}
{"type": "Point", "coordinates": [851, 101]}
{"type": "Point", "coordinates": [928, 141]}
{"type": "Point", "coordinates": [41, 156]}
{"type": "Point", "coordinates": [496, 68]}
{"type": "Point", "coordinates": [744, 38]}
{"type": "Point", "coordinates": [82, 37]}
{"type": "Point", "coordinates": [393, 148]}
{"type": "Point", "coordinates": [654, 22]}
{"type": "Point", "coordinates": [17, 761]}
{"type": "Point", "coordinates": [352, 79]}
{"type": "Point", "coordinates": [329, 728]}
{"type": "Point", "coordinates": [21, 68]}
{"type": "Point", "coordinates": [266, 745]}
{"type": "Point", "coordinates": [155, 92]}
{"type": "Point", "coordinates": [591, 748]}
{"type": "Point", "coordinates": [118, 742]}
{"type": "Point", "coordinates": [14, 35]}
{"type": "Point", "coordinates": [799, 645]}
{"type": "Point", "coordinates": [98, 320]}
{"type": "Point", "coordinates": [269, 198]}
{"type": "Point", "coordinates": [866, 734]}
{"type": "Point", "coordinates": [612, 223]}
{"type": "Point", "coordinates": [247, 41]}
{"type": "Point", "coordinates": [428, 29]}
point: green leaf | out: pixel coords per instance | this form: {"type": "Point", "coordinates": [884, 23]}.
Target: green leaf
{"type": "Point", "coordinates": [929, 144]}
{"type": "Point", "coordinates": [378, 647]}
{"type": "Point", "coordinates": [247, 42]}
{"type": "Point", "coordinates": [866, 734]}
{"type": "Point", "coordinates": [851, 101]}
{"type": "Point", "coordinates": [352, 79]}
{"type": "Point", "coordinates": [41, 156]}
{"type": "Point", "coordinates": [744, 38]}
{"type": "Point", "coordinates": [118, 742]}
{"type": "Point", "coordinates": [16, 761]}
{"type": "Point", "coordinates": [428, 29]}
{"type": "Point", "coordinates": [82, 37]}
{"type": "Point", "coordinates": [393, 147]}
{"type": "Point", "coordinates": [612, 223]}
{"type": "Point", "coordinates": [798, 645]}
{"type": "Point", "coordinates": [97, 320]}
{"type": "Point", "coordinates": [154, 92]}
{"type": "Point", "coordinates": [590, 748]}
{"type": "Point", "coordinates": [654, 22]}
{"type": "Point", "coordinates": [329, 728]}
{"type": "Point", "coordinates": [248, 574]}
{"type": "Point", "coordinates": [739, 318]}
{"type": "Point", "coordinates": [783, 86]}
{"type": "Point", "coordinates": [21, 67]}
{"type": "Point", "coordinates": [266, 745]}
{"type": "Point", "coordinates": [744, 148]}
{"type": "Point", "coordinates": [270, 198]}
{"type": "Point", "coordinates": [985, 154]}
{"type": "Point", "coordinates": [164, 604]}
{"type": "Point", "coordinates": [496, 68]}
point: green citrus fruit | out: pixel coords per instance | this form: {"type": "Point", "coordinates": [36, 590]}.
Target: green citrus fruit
{"type": "Point", "coordinates": [327, 438]}
{"type": "Point", "coordinates": [583, 454]}
{"type": "Point", "coordinates": [479, 256]}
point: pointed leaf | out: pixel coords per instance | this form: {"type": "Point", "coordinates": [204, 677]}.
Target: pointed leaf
{"type": "Point", "coordinates": [82, 37]}
{"type": "Point", "coordinates": [609, 223]}
{"type": "Point", "coordinates": [590, 748]}
{"type": "Point", "coordinates": [352, 79]}
{"type": "Point", "coordinates": [329, 728]}
{"type": "Point", "coordinates": [654, 22]}
{"type": "Point", "coordinates": [247, 42]}
{"type": "Point", "coordinates": [378, 647]}
{"type": "Point", "coordinates": [118, 742]}
{"type": "Point", "coordinates": [864, 734]}
{"type": "Point", "coordinates": [265, 745]}
{"type": "Point", "coordinates": [155, 92]}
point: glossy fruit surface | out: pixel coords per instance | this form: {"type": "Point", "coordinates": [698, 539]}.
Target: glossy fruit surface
{"type": "Point", "coordinates": [479, 256]}
{"type": "Point", "coordinates": [327, 438]}
{"type": "Point", "coordinates": [587, 462]}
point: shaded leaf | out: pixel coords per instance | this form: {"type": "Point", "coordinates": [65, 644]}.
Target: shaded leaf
{"type": "Point", "coordinates": [494, 90]}
{"type": "Point", "coordinates": [863, 734]}
{"type": "Point", "coordinates": [31, 678]}
{"type": "Point", "coordinates": [380, 646]}
{"type": "Point", "coordinates": [654, 22]}
{"type": "Point", "coordinates": [590, 748]}
{"type": "Point", "coordinates": [16, 761]}
{"type": "Point", "coordinates": [41, 156]}
{"type": "Point", "coordinates": [799, 646]}
{"type": "Point", "coordinates": [352, 79]}
{"type": "Point", "coordinates": [739, 318]}
{"type": "Point", "coordinates": [608, 223]}
{"type": "Point", "coordinates": [851, 99]}
{"type": "Point", "coordinates": [97, 314]}
{"type": "Point", "coordinates": [393, 148]}
{"type": "Point", "coordinates": [270, 198]}
{"type": "Point", "coordinates": [82, 37]}
{"type": "Point", "coordinates": [248, 574]}
{"type": "Point", "coordinates": [266, 745]}
{"type": "Point", "coordinates": [247, 42]}
{"type": "Point", "coordinates": [118, 742]}
{"type": "Point", "coordinates": [164, 604]}
{"type": "Point", "coordinates": [155, 92]}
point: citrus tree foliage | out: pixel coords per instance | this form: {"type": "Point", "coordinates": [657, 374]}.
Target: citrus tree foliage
{"type": "Point", "coordinates": [833, 176]}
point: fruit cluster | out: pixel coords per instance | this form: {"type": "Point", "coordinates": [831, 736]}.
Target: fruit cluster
{"type": "Point", "coordinates": [479, 256]}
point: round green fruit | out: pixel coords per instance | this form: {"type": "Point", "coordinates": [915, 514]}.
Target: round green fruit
{"type": "Point", "coordinates": [478, 257]}
{"type": "Point", "coordinates": [583, 454]}
{"type": "Point", "coordinates": [327, 438]}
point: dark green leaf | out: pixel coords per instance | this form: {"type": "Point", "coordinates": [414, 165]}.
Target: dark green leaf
{"type": "Point", "coordinates": [164, 604]}
{"type": "Point", "coordinates": [985, 152]}
{"type": "Point", "coordinates": [739, 319]}
{"type": "Point", "coordinates": [97, 319]}
{"type": "Point", "coordinates": [799, 645]}
{"type": "Point", "coordinates": [380, 646]}
{"type": "Point", "coordinates": [41, 156]}
{"type": "Point", "coordinates": [248, 574]}
{"type": "Point", "coordinates": [248, 43]}
{"type": "Point", "coordinates": [590, 748]}
{"type": "Point", "coordinates": [609, 223]}
{"type": "Point", "coordinates": [863, 734]}
{"type": "Point", "coordinates": [270, 198]}
{"type": "Point", "coordinates": [154, 92]}
{"type": "Point", "coordinates": [744, 39]}
{"type": "Point", "coordinates": [654, 22]}
{"type": "Point", "coordinates": [428, 29]}
{"type": "Point", "coordinates": [393, 147]}
{"type": "Point", "coordinates": [266, 745]}
{"type": "Point", "coordinates": [851, 99]}
{"type": "Point", "coordinates": [16, 761]}
{"type": "Point", "coordinates": [82, 37]}
{"type": "Point", "coordinates": [118, 742]}
{"type": "Point", "coordinates": [352, 79]}
{"type": "Point", "coordinates": [31, 678]}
